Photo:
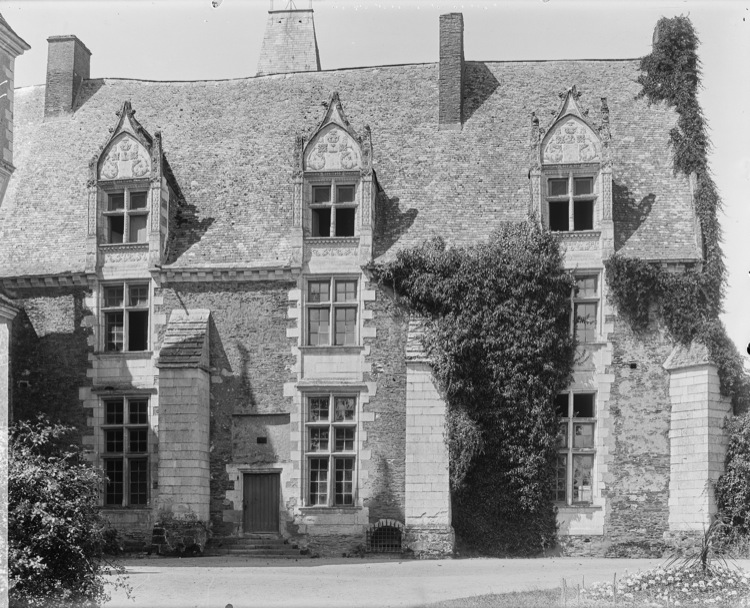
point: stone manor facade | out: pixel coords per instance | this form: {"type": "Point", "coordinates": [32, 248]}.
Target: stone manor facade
{"type": "Point", "coordinates": [185, 276]}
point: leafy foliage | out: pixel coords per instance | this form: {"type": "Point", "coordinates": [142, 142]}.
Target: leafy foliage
{"type": "Point", "coordinates": [733, 487]}
{"type": "Point", "coordinates": [500, 344]}
{"type": "Point", "coordinates": [55, 536]}
{"type": "Point", "coordinates": [689, 302]}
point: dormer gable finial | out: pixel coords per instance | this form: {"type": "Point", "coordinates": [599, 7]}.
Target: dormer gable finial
{"type": "Point", "coordinates": [128, 151]}
{"type": "Point", "coordinates": [334, 144]}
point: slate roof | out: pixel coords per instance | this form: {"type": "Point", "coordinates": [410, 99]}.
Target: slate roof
{"type": "Point", "coordinates": [687, 356]}
{"type": "Point", "coordinates": [231, 146]}
{"type": "Point", "coordinates": [185, 342]}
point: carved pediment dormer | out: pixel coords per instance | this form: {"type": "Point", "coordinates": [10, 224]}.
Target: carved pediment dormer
{"type": "Point", "coordinates": [335, 145]}
{"type": "Point", "coordinates": [129, 193]}
{"type": "Point", "coordinates": [335, 188]}
{"type": "Point", "coordinates": [571, 174]}
{"type": "Point", "coordinates": [571, 138]}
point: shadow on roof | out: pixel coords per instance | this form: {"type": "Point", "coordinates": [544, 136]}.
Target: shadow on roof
{"type": "Point", "coordinates": [87, 91]}
{"type": "Point", "coordinates": [188, 230]}
{"type": "Point", "coordinates": [479, 85]}
{"type": "Point", "coordinates": [391, 223]}
{"type": "Point", "coordinates": [628, 214]}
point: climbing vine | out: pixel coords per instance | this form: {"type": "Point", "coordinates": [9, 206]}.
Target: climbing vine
{"type": "Point", "coordinates": [499, 340]}
{"type": "Point", "coordinates": [689, 302]}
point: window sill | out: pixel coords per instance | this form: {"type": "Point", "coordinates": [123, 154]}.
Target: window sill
{"type": "Point", "coordinates": [332, 349]}
{"type": "Point", "coordinates": [577, 234]}
{"type": "Point", "coordinates": [319, 509]}
{"type": "Point", "coordinates": [128, 354]}
{"type": "Point", "coordinates": [582, 508]}
{"type": "Point", "coordinates": [124, 246]}
{"type": "Point", "coordinates": [338, 240]}
{"type": "Point", "coordinates": [120, 508]}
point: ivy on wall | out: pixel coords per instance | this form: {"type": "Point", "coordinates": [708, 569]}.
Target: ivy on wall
{"type": "Point", "coordinates": [500, 344]}
{"type": "Point", "coordinates": [689, 302]}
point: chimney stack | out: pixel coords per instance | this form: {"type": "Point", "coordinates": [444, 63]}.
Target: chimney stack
{"type": "Point", "coordinates": [451, 80]}
{"type": "Point", "coordinates": [68, 63]}
{"type": "Point", "coordinates": [289, 44]}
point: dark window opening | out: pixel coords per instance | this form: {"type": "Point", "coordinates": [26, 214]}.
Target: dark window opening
{"type": "Point", "coordinates": [138, 330]}
{"type": "Point", "coordinates": [583, 215]}
{"type": "Point", "coordinates": [583, 405]}
{"type": "Point", "coordinates": [113, 441]}
{"type": "Point", "coordinates": [558, 216]}
{"type": "Point", "coordinates": [561, 405]}
{"type": "Point", "coordinates": [345, 222]}
{"type": "Point", "coordinates": [321, 222]}
{"type": "Point", "coordinates": [385, 539]}
{"type": "Point", "coordinates": [116, 229]}
{"type": "Point", "coordinates": [138, 482]}
{"type": "Point", "coordinates": [113, 470]}
{"type": "Point", "coordinates": [138, 412]}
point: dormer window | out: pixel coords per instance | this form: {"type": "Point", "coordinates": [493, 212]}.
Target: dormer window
{"type": "Point", "coordinates": [126, 216]}
{"type": "Point", "coordinates": [571, 201]}
{"type": "Point", "coordinates": [333, 208]}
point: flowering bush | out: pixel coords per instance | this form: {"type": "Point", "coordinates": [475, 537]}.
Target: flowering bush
{"type": "Point", "coordinates": [716, 586]}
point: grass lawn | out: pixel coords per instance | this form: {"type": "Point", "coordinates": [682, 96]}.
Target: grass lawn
{"type": "Point", "coordinates": [525, 599]}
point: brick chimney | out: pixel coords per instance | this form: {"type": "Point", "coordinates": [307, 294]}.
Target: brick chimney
{"type": "Point", "coordinates": [289, 44]}
{"type": "Point", "coordinates": [451, 81]}
{"type": "Point", "coordinates": [68, 62]}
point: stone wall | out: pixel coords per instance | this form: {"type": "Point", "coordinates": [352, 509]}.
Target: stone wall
{"type": "Point", "coordinates": [183, 444]}
{"type": "Point", "coordinates": [637, 482]}
{"type": "Point", "coordinates": [428, 501]}
{"type": "Point", "coordinates": [250, 360]}
{"type": "Point", "coordinates": [698, 445]}
{"type": "Point", "coordinates": [50, 345]}
{"type": "Point", "coordinates": [386, 442]}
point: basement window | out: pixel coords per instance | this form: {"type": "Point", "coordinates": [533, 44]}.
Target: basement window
{"type": "Point", "coordinates": [384, 539]}
{"type": "Point", "coordinates": [125, 312]}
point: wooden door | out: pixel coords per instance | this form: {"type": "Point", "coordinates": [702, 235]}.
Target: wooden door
{"type": "Point", "coordinates": [261, 502]}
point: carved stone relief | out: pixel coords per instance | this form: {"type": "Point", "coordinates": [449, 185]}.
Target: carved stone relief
{"type": "Point", "coordinates": [607, 196]}
{"type": "Point", "coordinates": [333, 149]}
{"type": "Point", "coordinates": [571, 141]}
{"type": "Point", "coordinates": [126, 158]}
{"type": "Point", "coordinates": [127, 254]}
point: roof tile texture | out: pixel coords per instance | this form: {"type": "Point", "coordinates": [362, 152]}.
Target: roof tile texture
{"type": "Point", "coordinates": [231, 147]}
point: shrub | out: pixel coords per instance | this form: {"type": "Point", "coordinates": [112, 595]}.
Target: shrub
{"type": "Point", "coordinates": [733, 487]}
{"type": "Point", "coordinates": [500, 346]}
{"type": "Point", "coordinates": [55, 535]}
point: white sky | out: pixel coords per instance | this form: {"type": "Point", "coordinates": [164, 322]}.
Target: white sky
{"type": "Point", "coordinates": [191, 40]}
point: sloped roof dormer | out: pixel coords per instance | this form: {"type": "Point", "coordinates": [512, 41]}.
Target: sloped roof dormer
{"type": "Point", "coordinates": [130, 164]}
{"type": "Point", "coordinates": [571, 138]}
{"type": "Point", "coordinates": [335, 146]}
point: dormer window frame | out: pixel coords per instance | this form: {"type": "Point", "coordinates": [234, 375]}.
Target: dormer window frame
{"type": "Point", "coordinates": [127, 211]}
{"type": "Point", "coordinates": [579, 218]}
{"type": "Point", "coordinates": [337, 202]}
